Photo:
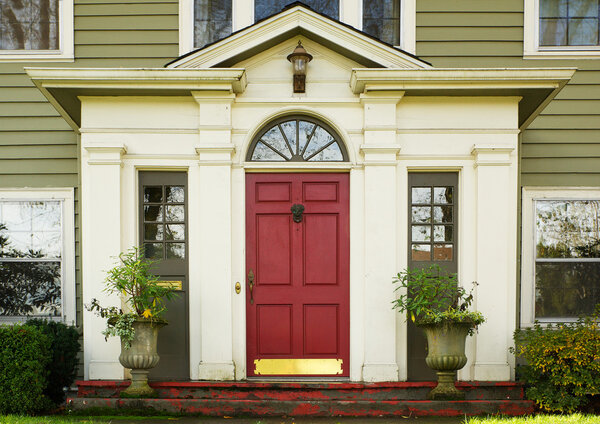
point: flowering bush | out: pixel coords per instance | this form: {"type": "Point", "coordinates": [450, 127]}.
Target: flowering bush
{"type": "Point", "coordinates": [563, 363]}
{"type": "Point", "coordinates": [142, 291]}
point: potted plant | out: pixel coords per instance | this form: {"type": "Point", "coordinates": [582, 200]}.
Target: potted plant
{"type": "Point", "coordinates": [138, 325]}
{"type": "Point", "coordinates": [436, 303]}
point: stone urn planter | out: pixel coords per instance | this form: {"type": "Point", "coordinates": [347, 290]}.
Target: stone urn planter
{"type": "Point", "coordinates": [141, 356]}
{"type": "Point", "coordinates": [446, 355]}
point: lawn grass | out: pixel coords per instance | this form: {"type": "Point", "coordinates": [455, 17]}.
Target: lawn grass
{"type": "Point", "coordinates": [54, 419]}
{"type": "Point", "coordinates": [537, 419]}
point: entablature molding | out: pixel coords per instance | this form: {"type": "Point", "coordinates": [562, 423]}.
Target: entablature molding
{"type": "Point", "coordinates": [492, 155]}
{"type": "Point", "coordinates": [105, 154]}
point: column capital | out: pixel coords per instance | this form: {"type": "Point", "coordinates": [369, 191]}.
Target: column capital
{"type": "Point", "coordinates": [380, 154]}
{"type": "Point", "coordinates": [492, 155]}
{"type": "Point", "coordinates": [215, 154]}
{"type": "Point", "coordinates": [105, 154]}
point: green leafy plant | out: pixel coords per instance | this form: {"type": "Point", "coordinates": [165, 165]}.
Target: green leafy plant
{"type": "Point", "coordinates": [432, 295]}
{"type": "Point", "coordinates": [64, 348]}
{"type": "Point", "coordinates": [142, 291]}
{"type": "Point", "coordinates": [562, 363]}
{"type": "Point", "coordinates": [24, 357]}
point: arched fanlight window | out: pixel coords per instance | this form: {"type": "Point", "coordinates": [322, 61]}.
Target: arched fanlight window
{"type": "Point", "coordinates": [297, 139]}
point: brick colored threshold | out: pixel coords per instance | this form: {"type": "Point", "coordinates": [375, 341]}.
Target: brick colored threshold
{"type": "Point", "coordinates": [306, 399]}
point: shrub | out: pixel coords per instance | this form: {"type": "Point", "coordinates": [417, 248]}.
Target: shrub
{"type": "Point", "coordinates": [64, 347]}
{"type": "Point", "coordinates": [24, 355]}
{"type": "Point", "coordinates": [563, 363]}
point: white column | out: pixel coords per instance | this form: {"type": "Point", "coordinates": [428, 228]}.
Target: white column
{"type": "Point", "coordinates": [381, 204]}
{"type": "Point", "coordinates": [496, 261]}
{"type": "Point", "coordinates": [101, 243]}
{"type": "Point", "coordinates": [214, 261]}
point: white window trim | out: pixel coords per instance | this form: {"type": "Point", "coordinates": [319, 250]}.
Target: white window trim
{"type": "Point", "coordinates": [530, 195]}
{"type": "Point", "coordinates": [67, 198]}
{"type": "Point", "coordinates": [66, 48]}
{"type": "Point", "coordinates": [531, 39]}
{"type": "Point", "coordinates": [242, 16]}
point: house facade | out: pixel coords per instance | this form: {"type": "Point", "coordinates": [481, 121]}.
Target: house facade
{"type": "Point", "coordinates": [463, 135]}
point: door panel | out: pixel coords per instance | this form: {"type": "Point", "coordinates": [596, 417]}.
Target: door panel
{"type": "Point", "coordinates": [163, 232]}
{"type": "Point", "coordinates": [298, 309]}
{"type": "Point", "coordinates": [432, 239]}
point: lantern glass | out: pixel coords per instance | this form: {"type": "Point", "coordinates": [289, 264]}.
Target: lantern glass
{"type": "Point", "coordinates": [299, 63]}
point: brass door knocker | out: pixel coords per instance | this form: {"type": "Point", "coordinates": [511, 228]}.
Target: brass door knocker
{"type": "Point", "coordinates": [297, 210]}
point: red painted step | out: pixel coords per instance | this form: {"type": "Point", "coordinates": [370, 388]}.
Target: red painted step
{"type": "Point", "coordinates": [307, 399]}
{"type": "Point", "coordinates": [304, 391]}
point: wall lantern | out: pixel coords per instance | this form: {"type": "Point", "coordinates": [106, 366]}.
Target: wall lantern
{"type": "Point", "coordinates": [299, 59]}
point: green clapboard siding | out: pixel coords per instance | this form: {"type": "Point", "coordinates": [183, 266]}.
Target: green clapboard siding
{"type": "Point", "coordinates": [37, 147]}
{"type": "Point", "coordinates": [562, 146]}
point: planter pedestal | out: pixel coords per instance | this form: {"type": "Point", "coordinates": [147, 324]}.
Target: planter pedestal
{"type": "Point", "coordinates": [446, 355]}
{"type": "Point", "coordinates": [141, 357]}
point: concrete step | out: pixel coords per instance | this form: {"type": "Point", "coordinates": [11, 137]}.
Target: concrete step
{"type": "Point", "coordinates": [297, 408]}
{"type": "Point", "coordinates": [283, 391]}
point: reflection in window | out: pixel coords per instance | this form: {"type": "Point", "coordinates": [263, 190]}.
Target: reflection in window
{"type": "Point", "coordinates": [432, 225]}
{"type": "Point", "coordinates": [164, 222]}
{"type": "Point", "coordinates": [30, 258]}
{"type": "Point", "coordinates": [29, 24]}
{"type": "Point", "coordinates": [567, 266]}
{"type": "Point", "coordinates": [297, 140]}
{"type": "Point", "coordinates": [264, 8]}
{"type": "Point", "coordinates": [569, 22]}
{"type": "Point", "coordinates": [212, 21]}
{"type": "Point", "coordinates": [381, 19]}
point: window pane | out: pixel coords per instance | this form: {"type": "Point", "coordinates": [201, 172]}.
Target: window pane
{"type": "Point", "coordinates": [289, 129]}
{"type": "Point", "coordinates": [421, 233]}
{"type": "Point", "coordinates": [421, 195]}
{"type": "Point", "coordinates": [264, 8]}
{"type": "Point", "coordinates": [212, 21]}
{"type": "Point", "coordinates": [442, 214]}
{"type": "Point", "coordinates": [31, 229]}
{"type": "Point", "coordinates": [320, 139]}
{"type": "Point", "coordinates": [153, 232]}
{"type": "Point", "coordinates": [553, 8]}
{"type": "Point", "coordinates": [30, 288]}
{"type": "Point", "coordinates": [568, 228]}
{"type": "Point", "coordinates": [330, 153]}
{"type": "Point", "coordinates": [421, 214]}
{"type": "Point", "coordinates": [553, 32]}
{"type": "Point", "coordinates": [153, 213]}
{"type": "Point", "coordinates": [175, 214]}
{"type": "Point", "coordinates": [175, 232]}
{"type": "Point", "coordinates": [583, 8]}
{"type": "Point", "coordinates": [442, 195]}
{"type": "Point", "coordinates": [442, 232]}
{"type": "Point", "coordinates": [29, 25]}
{"type": "Point", "coordinates": [421, 252]}
{"type": "Point", "coordinates": [381, 19]}
{"type": "Point", "coordinates": [174, 194]}
{"type": "Point", "coordinates": [442, 252]}
{"type": "Point", "coordinates": [583, 32]}
{"type": "Point", "coordinates": [152, 194]}
{"type": "Point", "coordinates": [175, 250]}
{"type": "Point", "coordinates": [274, 138]}
{"type": "Point", "coordinates": [306, 130]}
{"type": "Point", "coordinates": [153, 250]}
{"type": "Point", "coordinates": [566, 289]}
{"type": "Point", "coordinates": [264, 153]}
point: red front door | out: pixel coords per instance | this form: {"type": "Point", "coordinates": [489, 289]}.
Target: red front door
{"type": "Point", "coordinates": [297, 319]}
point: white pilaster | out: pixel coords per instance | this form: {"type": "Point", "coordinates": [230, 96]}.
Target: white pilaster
{"type": "Point", "coordinates": [214, 263]}
{"type": "Point", "coordinates": [101, 243]}
{"type": "Point", "coordinates": [381, 204]}
{"type": "Point", "coordinates": [496, 261]}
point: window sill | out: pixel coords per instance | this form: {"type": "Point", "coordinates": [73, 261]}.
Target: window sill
{"type": "Point", "coordinates": [563, 53]}
{"type": "Point", "coordinates": [35, 56]}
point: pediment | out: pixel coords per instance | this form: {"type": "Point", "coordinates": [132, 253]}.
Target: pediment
{"type": "Point", "coordinates": [299, 21]}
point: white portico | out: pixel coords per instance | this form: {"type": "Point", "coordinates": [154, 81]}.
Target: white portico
{"type": "Point", "coordinates": [393, 114]}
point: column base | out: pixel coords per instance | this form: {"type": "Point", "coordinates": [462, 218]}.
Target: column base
{"type": "Point", "coordinates": [380, 372]}
{"type": "Point", "coordinates": [492, 372]}
{"type": "Point", "coordinates": [216, 371]}
{"type": "Point", "coordinates": [105, 370]}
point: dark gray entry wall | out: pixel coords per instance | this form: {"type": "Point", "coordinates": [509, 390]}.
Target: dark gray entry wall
{"type": "Point", "coordinates": [163, 219]}
{"type": "Point", "coordinates": [432, 239]}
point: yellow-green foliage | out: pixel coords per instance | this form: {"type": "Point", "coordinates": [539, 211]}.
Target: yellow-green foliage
{"type": "Point", "coordinates": [563, 363]}
{"type": "Point", "coordinates": [537, 419]}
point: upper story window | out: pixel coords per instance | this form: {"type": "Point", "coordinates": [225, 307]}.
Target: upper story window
{"type": "Point", "coordinates": [561, 254]}
{"type": "Point", "coordinates": [36, 254]}
{"type": "Point", "coordinates": [569, 22]}
{"type": "Point", "coordinates": [205, 21]}
{"type": "Point", "coordinates": [562, 28]}
{"type": "Point", "coordinates": [381, 19]}
{"type": "Point", "coordinates": [36, 29]}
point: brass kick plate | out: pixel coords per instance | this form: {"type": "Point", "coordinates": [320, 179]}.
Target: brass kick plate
{"type": "Point", "coordinates": [176, 285]}
{"type": "Point", "coordinates": [310, 366]}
